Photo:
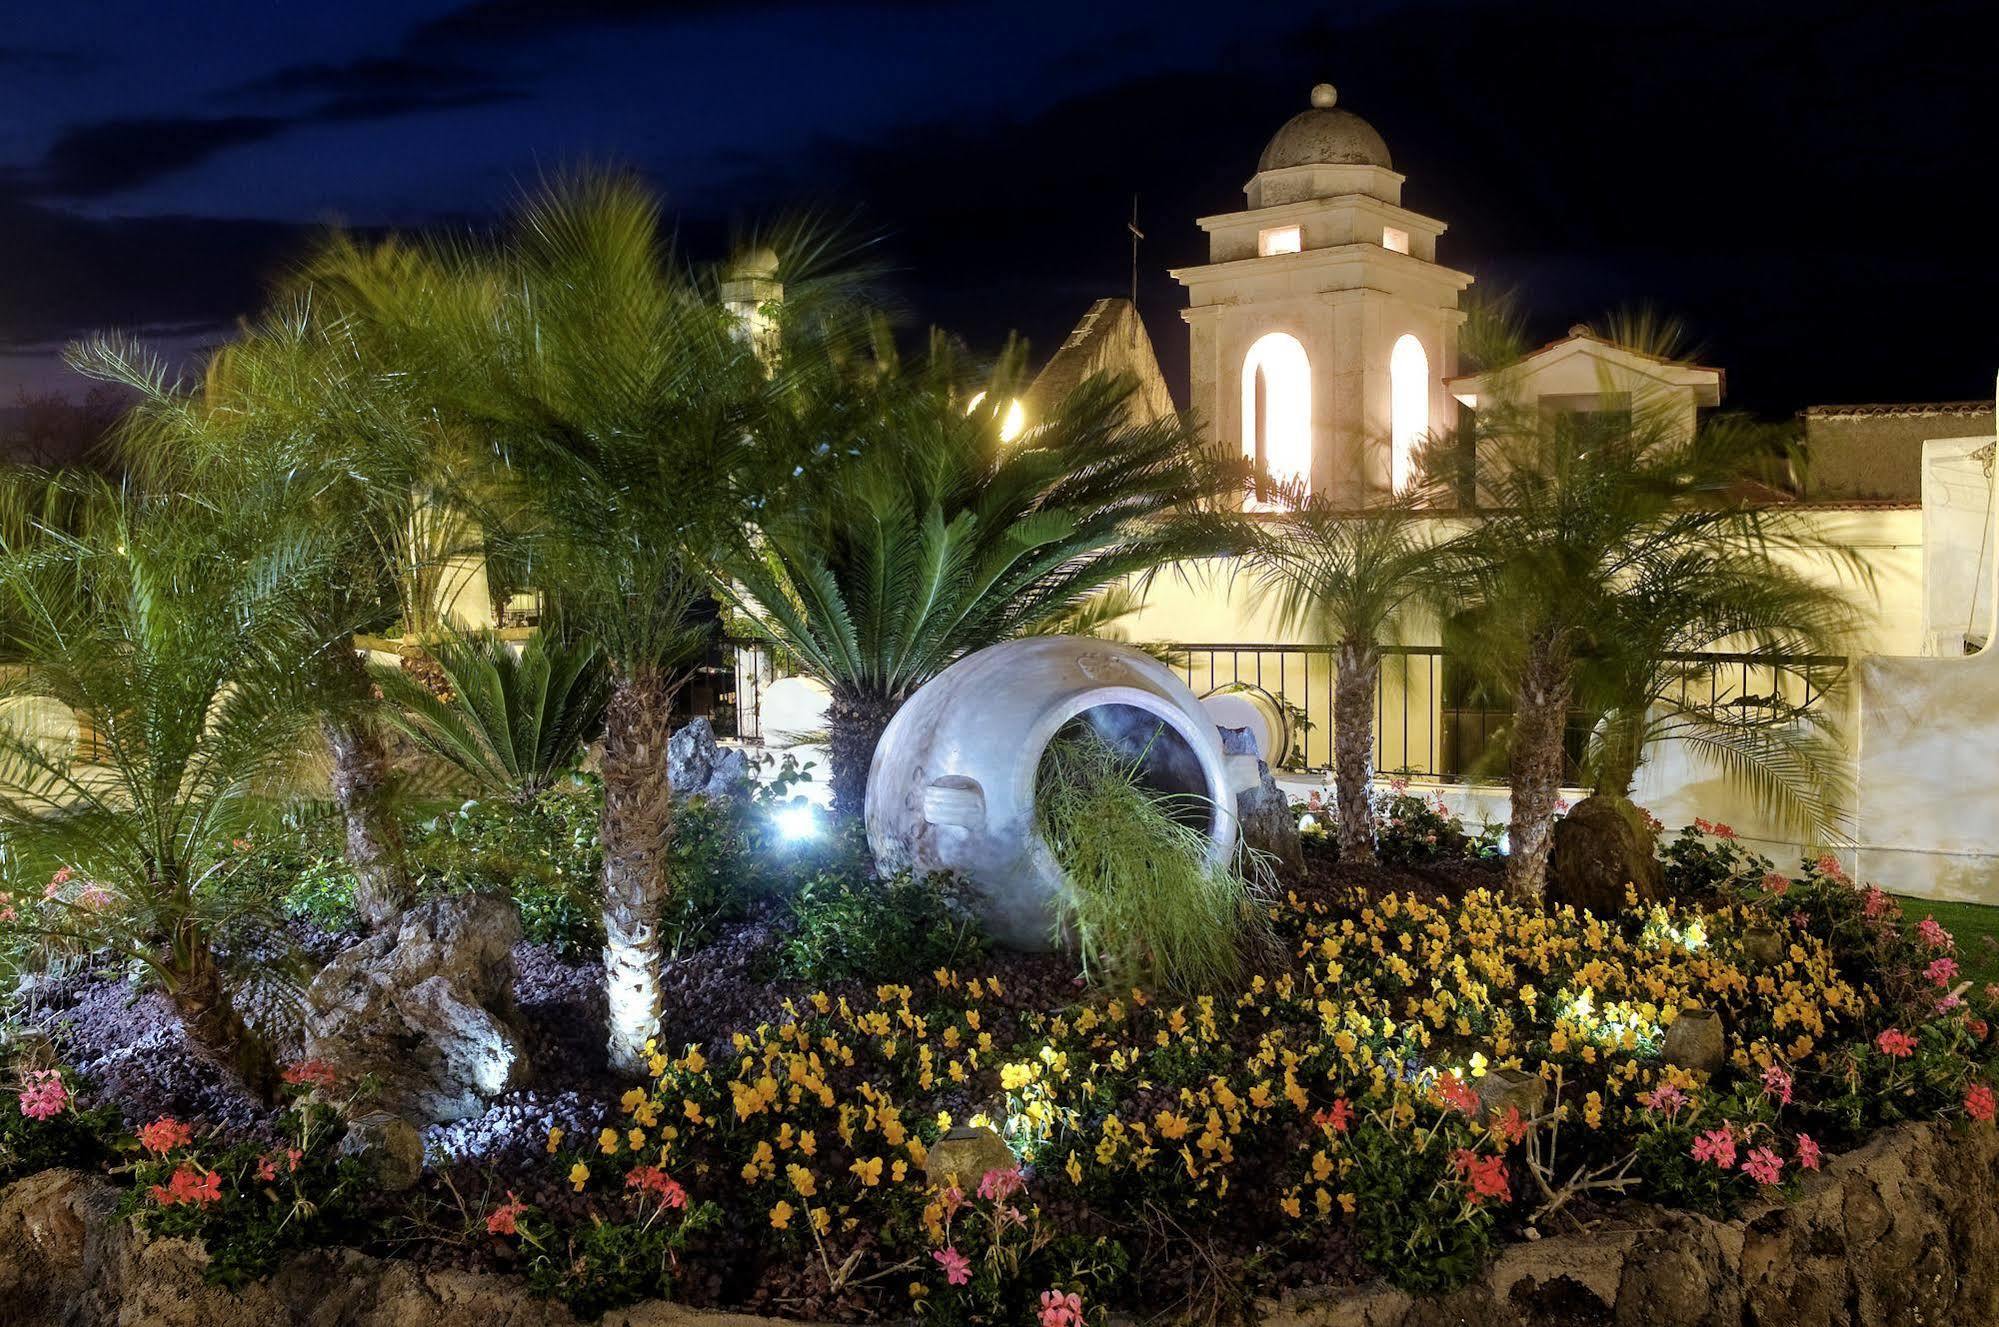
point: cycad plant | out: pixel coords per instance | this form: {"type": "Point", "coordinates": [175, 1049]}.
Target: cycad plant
{"type": "Point", "coordinates": [913, 534]}
{"type": "Point", "coordinates": [1346, 578]}
{"type": "Point", "coordinates": [165, 624]}
{"type": "Point", "coordinates": [514, 720]}
{"type": "Point", "coordinates": [1586, 517]}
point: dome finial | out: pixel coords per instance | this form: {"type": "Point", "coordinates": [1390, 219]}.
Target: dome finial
{"type": "Point", "coordinates": [1325, 96]}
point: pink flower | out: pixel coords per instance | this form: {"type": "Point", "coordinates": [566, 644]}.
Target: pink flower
{"type": "Point", "coordinates": [311, 1073]}
{"type": "Point", "coordinates": [1777, 1085]}
{"type": "Point", "coordinates": [1896, 1044]}
{"type": "Point", "coordinates": [957, 1268]}
{"type": "Point", "coordinates": [1060, 1310]}
{"type": "Point", "coordinates": [652, 1180]}
{"type": "Point", "coordinates": [1808, 1153]}
{"type": "Point", "coordinates": [1664, 1099]}
{"type": "Point", "coordinates": [1776, 883]}
{"type": "Point", "coordinates": [505, 1219]}
{"type": "Point", "coordinates": [1763, 1165]}
{"type": "Point", "coordinates": [1941, 971]}
{"type": "Point", "coordinates": [164, 1135]}
{"type": "Point", "coordinates": [1934, 935]}
{"type": "Point", "coordinates": [44, 1096]}
{"type": "Point", "coordinates": [1874, 904]}
{"type": "Point", "coordinates": [188, 1185]}
{"type": "Point", "coordinates": [1456, 1094]}
{"type": "Point", "coordinates": [1485, 1174]}
{"type": "Point", "coordinates": [1716, 1146]}
{"type": "Point", "coordinates": [1828, 866]}
{"type": "Point", "coordinates": [1980, 1103]}
{"type": "Point", "coordinates": [62, 877]}
{"type": "Point", "coordinates": [999, 1185]}
{"type": "Point", "coordinates": [273, 1164]}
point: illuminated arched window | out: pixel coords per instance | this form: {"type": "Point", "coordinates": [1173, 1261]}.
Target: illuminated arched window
{"type": "Point", "coordinates": [1409, 408]}
{"type": "Point", "coordinates": [1277, 409]}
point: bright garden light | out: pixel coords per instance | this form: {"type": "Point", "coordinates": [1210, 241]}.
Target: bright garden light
{"type": "Point", "coordinates": [798, 823]}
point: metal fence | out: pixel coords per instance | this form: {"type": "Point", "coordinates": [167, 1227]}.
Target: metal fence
{"type": "Point", "coordinates": [1431, 719]}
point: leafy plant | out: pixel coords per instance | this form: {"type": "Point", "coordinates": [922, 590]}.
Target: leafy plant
{"type": "Point", "coordinates": [1143, 901]}
{"type": "Point", "coordinates": [1415, 830]}
{"type": "Point", "coordinates": [912, 533]}
{"type": "Point", "coordinates": [851, 924]}
{"type": "Point", "coordinates": [544, 855]}
{"type": "Point", "coordinates": [1707, 861]}
{"type": "Point", "coordinates": [1418, 1221]}
{"type": "Point", "coordinates": [514, 722]}
{"type": "Point", "coordinates": [41, 1124]}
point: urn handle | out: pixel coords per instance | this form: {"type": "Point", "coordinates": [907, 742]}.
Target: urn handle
{"type": "Point", "coordinates": [955, 800]}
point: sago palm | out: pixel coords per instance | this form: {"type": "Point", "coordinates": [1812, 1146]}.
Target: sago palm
{"type": "Point", "coordinates": [1345, 578]}
{"type": "Point", "coordinates": [515, 720]}
{"type": "Point", "coordinates": [165, 626]}
{"type": "Point", "coordinates": [914, 534]}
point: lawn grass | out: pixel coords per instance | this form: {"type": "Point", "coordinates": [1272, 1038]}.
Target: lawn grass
{"type": "Point", "coordinates": [1976, 927]}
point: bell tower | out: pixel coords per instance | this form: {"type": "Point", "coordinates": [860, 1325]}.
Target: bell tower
{"type": "Point", "coordinates": [1322, 326]}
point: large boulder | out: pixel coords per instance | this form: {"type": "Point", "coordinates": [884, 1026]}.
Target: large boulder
{"type": "Point", "coordinates": [699, 766]}
{"type": "Point", "coordinates": [1604, 849]}
{"type": "Point", "coordinates": [1263, 812]}
{"type": "Point", "coordinates": [426, 1009]}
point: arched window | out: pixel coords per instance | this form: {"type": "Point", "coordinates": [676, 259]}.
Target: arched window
{"type": "Point", "coordinates": [1409, 408]}
{"type": "Point", "coordinates": [1277, 409]}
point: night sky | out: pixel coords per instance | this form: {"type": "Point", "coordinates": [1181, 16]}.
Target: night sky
{"type": "Point", "coordinates": [1798, 181]}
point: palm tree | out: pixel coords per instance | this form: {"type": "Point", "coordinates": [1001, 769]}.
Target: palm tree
{"type": "Point", "coordinates": [304, 416]}
{"type": "Point", "coordinates": [618, 396]}
{"type": "Point", "coordinates": [1589, 519]}
{"type": "Point", "coordinates": [165, 623]}
{"type": "Point", "coordinates": [1345, 577]}
{"type": "Point", "coordinates": [915, 535]}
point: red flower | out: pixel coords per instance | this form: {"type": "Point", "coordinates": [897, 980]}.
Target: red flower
{"type": "Point", "coordinates": [505, 1219]}
{"type": "Point", "coordinates": [1716, 1146]}
{"type": "Point", "coordinates": [164, 1135]}
{"type": "Point", "coordinates": [1456, 1094]}
{"type": "Point", "coordinates": [1980, 1103]}
{"type": "Point", "coordinates": [1485, 1174]}
{"type": "Point", "coordinates": [1337, 1117]}
{"type": "Point", "coordinates": [652, 1180]}
{"type": "Point", "coordinates": [1896, 1044]}
{"type": "Point", "coordinates": [1808, 1153]}
{"type": "Point", "coordinates": [311, 1073]}
{"type": "Point", "coordinates": [189, 1185]}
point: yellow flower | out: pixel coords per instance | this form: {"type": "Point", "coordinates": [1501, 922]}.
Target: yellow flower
{"type": "Point", "coordinates": [554, 1139]}
{"type": "Point", "coordinates": [630, 1101]}
{"type": "Point", "coordinates": [607, 1142]}
{"type": "Point", "coordinates": [780, 1215]}
{"type": "Point", "coordinates": [821, 1219]}
{"type": "Point", "coordinates": [868, 1172]}
{"type": "Point", "coordinates": [579, 1175]}
{"type": "Point", "coordinates": [1291, 1206]}
{"type": "Point", "coordinates": [1074, 1169]}
{"type": "Point", "coordinates": [801, 1180]}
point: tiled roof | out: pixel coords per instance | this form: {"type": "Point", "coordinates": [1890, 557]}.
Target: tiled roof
{"type": "Point", "coordinates": [1909, 408]}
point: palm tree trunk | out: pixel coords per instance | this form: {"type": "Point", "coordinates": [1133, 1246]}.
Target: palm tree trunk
{"type": "Point", "coordinates": [211, 1018]}
{"type": "Point", "coordinates": [1358, 672]}
{"type": "Point", "coordinates": [855, 720]}
{"type": "Point", "coordinates": [637, 819]}
{"type": "Point", "coordinates": [1540, 713]}
{"type": "Point", "coordinates": [374, 839]}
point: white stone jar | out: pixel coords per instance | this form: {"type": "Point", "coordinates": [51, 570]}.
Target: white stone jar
{"type": "Point", "coordinates": [952, 783]}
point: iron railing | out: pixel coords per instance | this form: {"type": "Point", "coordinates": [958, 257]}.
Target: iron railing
{"type": "Point", "coordinates": [1430, 719]}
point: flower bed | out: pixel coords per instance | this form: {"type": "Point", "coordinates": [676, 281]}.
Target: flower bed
{"type": "Point", "coordinates": [1424, 1081]}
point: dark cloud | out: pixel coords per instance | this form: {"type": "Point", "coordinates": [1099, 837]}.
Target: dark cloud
{"type": "Point", "coordinates": [506, 21]}
{"type": "Point", "coordinates": [39, 60]}
{"type": "Point", "coordinates": [390, 76]}
{"type": "Point", "coordinates": [110, 156]}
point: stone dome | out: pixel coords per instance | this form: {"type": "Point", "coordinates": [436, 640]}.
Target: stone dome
{"type": "Point", "coordinates": [1324, 136]}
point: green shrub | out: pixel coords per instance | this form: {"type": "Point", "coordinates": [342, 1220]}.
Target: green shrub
{"type": "Point", "coordinates": [1143, 901]}
{"type": "Point", "coordinates": [1410, 831]}
{"type": "Point", "coordinates": [1707, 861]}
{"type": "Point", "coordinates": [1418, 1222]}
{"type": "Point", "coordinates": [608, 1264]}
{"type": "Point", "coordinates": [42, 1126]}
{"type": "Point", "coordinates": [543, 855]}
{"type": "Point", "coordinates": [852, 925]}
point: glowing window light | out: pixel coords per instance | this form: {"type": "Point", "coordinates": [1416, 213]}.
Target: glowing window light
{"type": "Point", "coordinates": [1012, 425]}
{"type": "Point", "coordinates": [1282, 239]}
{"type": "Point", "coordinates": [1409, 407]}
{"type": "Point", "coordinates": [1277, 409]}
{"type": "Point", "coordinates": [1394, 240]}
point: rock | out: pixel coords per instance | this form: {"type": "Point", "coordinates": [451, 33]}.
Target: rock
{"type": "Point", "coordinates": [1694, 1041]}
{"type": "Point", "coordinates": [1263, 813]}
{"type": "Point", "coordinates": [699, 766]}
{"type": "Point", "coordinates": [1603, 851]}
{"type": "Point", "coordinates": [964, 1155]}
{"type": "Point", "coordinates": [389, 1145]}
{"type": "Point", "coordinates": [1502, 1089]}
{"type": "Point", "coordinates": [426, 1011]}
{"type": "Point", "coordinates": [1763, 946]}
